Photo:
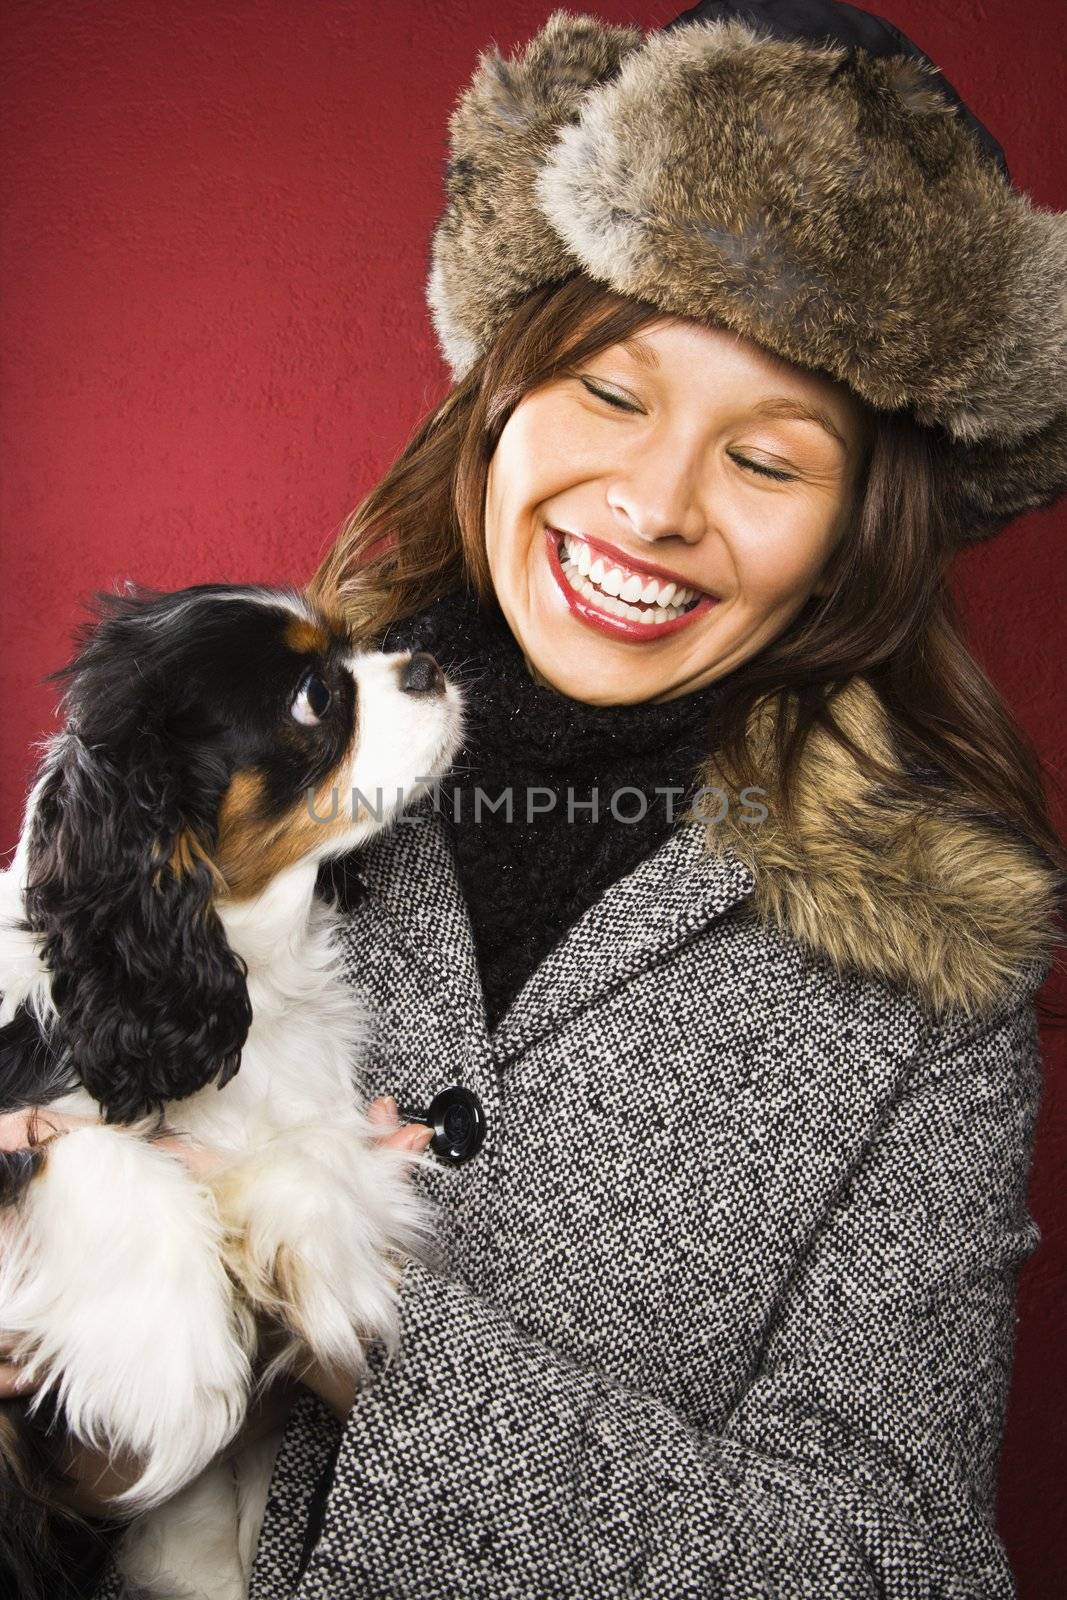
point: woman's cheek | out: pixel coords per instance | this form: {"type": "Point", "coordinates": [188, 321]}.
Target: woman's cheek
{"type": "Point", "coordinates": [556, 447]}
{"type": "Point", "coordinates": [778, 562]}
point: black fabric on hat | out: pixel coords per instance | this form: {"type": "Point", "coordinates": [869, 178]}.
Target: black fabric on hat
{"type": "Point", "coordinates": [823, 22]}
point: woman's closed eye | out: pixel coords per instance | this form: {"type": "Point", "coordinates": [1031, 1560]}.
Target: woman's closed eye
{"type": "Point", "coordinates": [764, 472]}
{"type": "Point", "coordinates": [742, 461]}
{"type": "Point", "coordinates": [611, 399]}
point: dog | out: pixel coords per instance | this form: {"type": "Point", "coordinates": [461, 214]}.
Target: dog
{"type": "Point", "coordinates": [168, 964]}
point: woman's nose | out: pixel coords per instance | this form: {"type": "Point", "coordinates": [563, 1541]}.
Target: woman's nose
{"type": "Point", "coordinates": [657, 494]}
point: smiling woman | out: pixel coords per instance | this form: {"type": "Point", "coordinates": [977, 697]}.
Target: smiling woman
{"type": "Point", "coordinates": [650, 440]}
{"type": "Point", "coordinates": [749, 333]}
{"type": "Point", "coordinates": [705, 466]}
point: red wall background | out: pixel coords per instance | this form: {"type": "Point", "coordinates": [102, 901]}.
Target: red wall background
{"type": "Point", "coordinates": [216, 222]}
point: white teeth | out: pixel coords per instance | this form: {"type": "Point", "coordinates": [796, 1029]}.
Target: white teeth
{"type": "Point", "coordinates": [611, 583]}
{"type": "Point", "coordinates": [613, 590]}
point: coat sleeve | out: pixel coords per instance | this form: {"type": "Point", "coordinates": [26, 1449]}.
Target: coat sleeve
{"type": "Point", "coordinates": [860, 1459]}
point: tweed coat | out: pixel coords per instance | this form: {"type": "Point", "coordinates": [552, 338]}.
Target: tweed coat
{"type": "Point", "coordinates": [725, 1305]}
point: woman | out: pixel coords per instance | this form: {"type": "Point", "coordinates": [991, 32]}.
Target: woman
{"type": "Point", "coordinates": [725, 1301]}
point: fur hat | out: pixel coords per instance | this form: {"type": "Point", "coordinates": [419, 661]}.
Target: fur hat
{"type": "Point", "coordinates": [796, 171]}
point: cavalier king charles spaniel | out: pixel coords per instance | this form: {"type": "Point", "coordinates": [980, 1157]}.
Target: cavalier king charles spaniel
{"type": "Point", "coordinates": [167, 966]}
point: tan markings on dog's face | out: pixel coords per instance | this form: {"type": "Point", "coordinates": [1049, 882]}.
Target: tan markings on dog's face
{"type": "Point", "coordinates": [335, 619]}
{"type": "Point", "coordinates": [254, 848]}
{"type": "Point", "coordinates": [306, 638]}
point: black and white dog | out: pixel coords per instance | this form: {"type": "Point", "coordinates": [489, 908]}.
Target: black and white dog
{"type": "Point", "coordinates": [159, 930]}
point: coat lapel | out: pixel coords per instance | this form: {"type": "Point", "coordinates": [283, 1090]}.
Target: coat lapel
{"type": "Point", "coordinates": [668, 899]}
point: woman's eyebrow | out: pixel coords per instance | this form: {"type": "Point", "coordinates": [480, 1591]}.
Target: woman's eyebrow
{"type": "Point", "coordinates": [642, 353]}
{"type": "Point", "coordinates": [800, 411]}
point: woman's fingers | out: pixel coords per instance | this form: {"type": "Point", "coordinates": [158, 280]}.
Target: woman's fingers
{"type": "Point", "coordinates": [20, 1129]}
{"type": "Point", "coordinates": [199, 1159]}
{"type": "Point", "coordinates": [13, 1134]}
{"type": "Point", "coordinates": [13, 1381]}
{"type": "Point", "coordinates": [389, 1130]}
{"type": "Point", "coordinates": [337, 1389]}
{"type": "Point", "coordinates": [412, 1136]}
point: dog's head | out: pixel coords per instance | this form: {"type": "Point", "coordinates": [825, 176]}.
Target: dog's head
{"type": "Point", "coordinates": [213, 738]}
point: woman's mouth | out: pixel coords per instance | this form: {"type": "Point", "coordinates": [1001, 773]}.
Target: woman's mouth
{"type": "Point", "coordinates": [620, 600]}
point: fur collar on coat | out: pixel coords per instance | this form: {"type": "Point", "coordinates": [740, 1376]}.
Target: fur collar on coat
{"type": "Point", "coordinates": [947, 903]}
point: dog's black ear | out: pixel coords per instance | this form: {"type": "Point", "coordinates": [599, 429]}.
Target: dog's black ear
{"type": "Point", "coordinates": [151, 999]}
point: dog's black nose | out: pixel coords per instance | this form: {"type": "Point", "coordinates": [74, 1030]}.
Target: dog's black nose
{"type": "Point", "coordinates": [422, 675]}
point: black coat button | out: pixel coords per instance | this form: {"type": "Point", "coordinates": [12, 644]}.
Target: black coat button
{"type": "Point", "coordinates": [458, 1123]}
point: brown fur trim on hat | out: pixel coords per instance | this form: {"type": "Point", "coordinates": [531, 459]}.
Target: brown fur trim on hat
{"type": "Point", "coordinates": [501, 133]}
{"type": "Point", "coordinates": [826, 203]}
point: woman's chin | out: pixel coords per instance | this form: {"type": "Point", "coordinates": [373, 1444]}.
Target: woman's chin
{"type": "Point", "coordinates": [578, 674]}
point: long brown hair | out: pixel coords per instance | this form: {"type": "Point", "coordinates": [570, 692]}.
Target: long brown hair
{"type": "Point", "coordinates": [887, 612]}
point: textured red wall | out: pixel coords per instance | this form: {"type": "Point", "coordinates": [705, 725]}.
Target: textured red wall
{"type": "Point", "coordinates": [213, 340]}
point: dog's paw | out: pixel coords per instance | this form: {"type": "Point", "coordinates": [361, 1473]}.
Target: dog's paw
{"type": "Point", "coordinates": [319, 1224]}
{"type": "Point", "coordinates": [116, 1300]}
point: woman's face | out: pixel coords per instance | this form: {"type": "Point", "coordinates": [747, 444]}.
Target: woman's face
{"type": "Point", "coordinates": [675, 477]}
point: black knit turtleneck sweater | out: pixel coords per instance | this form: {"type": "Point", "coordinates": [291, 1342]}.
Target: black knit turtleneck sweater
{"type": "Point", "coordinates": [527, 880]}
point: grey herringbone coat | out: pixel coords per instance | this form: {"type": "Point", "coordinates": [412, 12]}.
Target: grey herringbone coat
{"type": "Point", "coordinates": [727, 1300]}
{"type": "Point", "coordinates": [726, 1303]}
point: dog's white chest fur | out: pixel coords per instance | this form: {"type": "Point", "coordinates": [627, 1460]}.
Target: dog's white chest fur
{"type": "Point", "coordinates": [134, 1290]}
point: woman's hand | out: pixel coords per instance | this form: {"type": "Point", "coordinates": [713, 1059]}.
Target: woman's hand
{"type": "Point", "coordinates": [88, 1480]}
{"type": "Point", "coordinates": [36, 1125]}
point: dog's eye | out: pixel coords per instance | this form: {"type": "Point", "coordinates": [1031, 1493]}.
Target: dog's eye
{"type": "Point", "coordinates": [312, 700]}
